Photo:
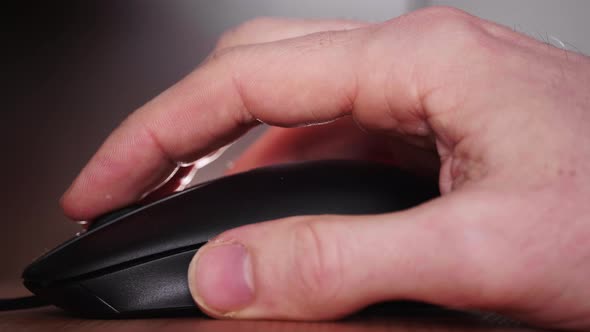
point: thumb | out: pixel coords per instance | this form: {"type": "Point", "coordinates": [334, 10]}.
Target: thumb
{"type": "Point", "coordinates": [322, 267]}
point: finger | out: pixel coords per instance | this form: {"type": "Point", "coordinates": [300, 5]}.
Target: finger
{"type": "Point", "coordinates": [256, 31]}
{"type": "Point", "coordinates": [310, 79]}
{"type": "Point", "coordinates": [324, 267]}
{"type": "Point", "coordinates": [269, 29]}
{"type": "Point", "coordinates": [342, 139]}
{"type": "Point", "coordinates": [126, 168]}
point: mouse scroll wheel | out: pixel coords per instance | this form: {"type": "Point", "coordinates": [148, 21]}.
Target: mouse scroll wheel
{"type": "Point", "coordinates": [108, 217]}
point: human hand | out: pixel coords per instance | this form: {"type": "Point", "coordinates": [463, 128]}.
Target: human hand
{"type": "Point", "coordinates": [503, 118]}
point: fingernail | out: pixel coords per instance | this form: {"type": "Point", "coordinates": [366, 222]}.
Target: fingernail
{"type": "Point", "coordinates": [221, 278]}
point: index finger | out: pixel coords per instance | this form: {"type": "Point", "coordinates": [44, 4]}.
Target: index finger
{"type": "Point", "coordinates": [298, 81]}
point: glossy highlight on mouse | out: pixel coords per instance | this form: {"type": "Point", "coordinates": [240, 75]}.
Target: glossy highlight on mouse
{"type": "Point", "coordinates": [134, 261]}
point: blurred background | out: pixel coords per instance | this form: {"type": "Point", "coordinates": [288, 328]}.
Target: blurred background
{"type": "Point", "coordinates": [74, 70]}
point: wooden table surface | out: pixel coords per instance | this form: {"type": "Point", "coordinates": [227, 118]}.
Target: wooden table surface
{"type": "Point", "coordinates": [388, 318]}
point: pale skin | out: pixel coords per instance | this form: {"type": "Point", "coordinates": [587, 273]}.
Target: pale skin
{"type": "Point", "coordinates": [503, 121]}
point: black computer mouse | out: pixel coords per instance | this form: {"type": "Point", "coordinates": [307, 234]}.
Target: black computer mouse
{"type": "Point", "coordinates": [134, 261]}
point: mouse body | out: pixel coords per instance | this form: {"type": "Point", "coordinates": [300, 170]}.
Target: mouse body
{"type": "Point", "coordinates": [134, 262]}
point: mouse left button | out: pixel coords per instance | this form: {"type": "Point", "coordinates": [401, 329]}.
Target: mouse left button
{"type": "Point", "coordinates": [108, 217]}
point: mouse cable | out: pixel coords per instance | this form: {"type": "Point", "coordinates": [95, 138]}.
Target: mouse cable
{"type": "Point", "coordinates": [21, 303]}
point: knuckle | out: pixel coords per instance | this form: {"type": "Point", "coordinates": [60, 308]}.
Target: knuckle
{"type": "Point", "coordinates": [326, 38]}
{"type": "Point", "coordinates": [317, 264]}
{"type": "Point", "coordinates": [257, 22]}
{"type": "Point", "coordinates": [219, 54]}
{"type": "Point", "coordinates": [449, 25]}
{"type": "Point", "coordinates": [226, 39]}
{"type": "Point", "coordinates": [446, 41]}
{"type": "Point", "coordinates": [444, 12]}
{"type": "Point", "coordinates": [484, 285]}
{"type": "Point", "coordinates": [234, 35]}
{"type": "Point", "coordinates": [445, 23]}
